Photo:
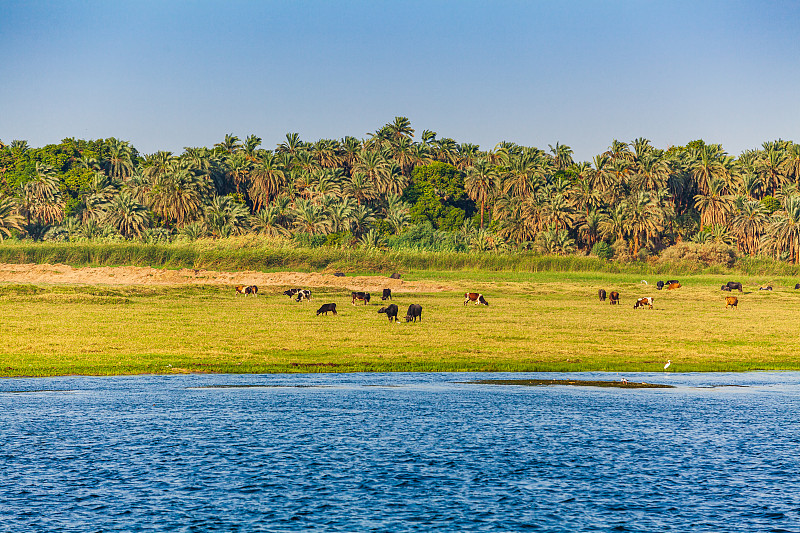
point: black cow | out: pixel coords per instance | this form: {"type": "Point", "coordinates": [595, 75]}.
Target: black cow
{"type": "Point", "coordinates": [339, 274]}
{"type": "Point", "coordinates": [414, 312]}
{"type": "Point", "coordinates": [602, 295]}
{"type": "Point", "coordinates": [797, 286]}
{"type": "Point", "coordinates": [659, 285]}
{"type": "Point", "coordinates": [396, 275]}
{"type": "Point", "coordinates": [325, 308]}
{"type": "Point", "coordinates": [252, 289]}
{"type": "Point", "coordinates": [734, 285]}
{"type": "Point", "coordinates": [362, 296]}
{"type": "Point", "coordinates": [391, 311]}
{"type": "Point", "coordinates": [726, 288]}
{"type": "Point", "coordinates": [670, 282]}
{"type": "Point", "coordinates": [387, 294]}
{"type": "Point", "coordinates": [613, 297]}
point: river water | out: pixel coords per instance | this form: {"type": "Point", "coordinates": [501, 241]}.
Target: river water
{"type": "Point", "coordinates": [399, 452]}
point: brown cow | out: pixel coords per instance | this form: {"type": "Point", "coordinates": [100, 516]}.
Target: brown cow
{"type": "Point", "coordinates": [675, 285]}
{"type": "Point", "coordinates": [474, 297]}
{"type": "Point", "coordinates": [644, 302]}
{"type": "Point", "coordinates": [252, 289]}
{"type": "Point", "coordinates": [731, 301]}
{"type": "Point", "coordinates": [240, 289]}
{"type": "Point", "coordinates": [613, 297]}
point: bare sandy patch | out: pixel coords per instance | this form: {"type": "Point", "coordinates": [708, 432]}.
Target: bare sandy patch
{"type": "Point", "coordinates": [128, 275]}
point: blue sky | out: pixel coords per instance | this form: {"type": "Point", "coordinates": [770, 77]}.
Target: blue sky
{"type": "Point", "coordinates": [166, 75]}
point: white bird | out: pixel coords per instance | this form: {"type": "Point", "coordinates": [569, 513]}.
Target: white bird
{"type": "Point", "coordinates": [669, 362]}
{"type": "Point", "coordinates": [644, 281]}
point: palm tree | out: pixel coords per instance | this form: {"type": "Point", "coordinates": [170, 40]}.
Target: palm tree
{"type": "Point", "coordinates": [178, 196]}
{"type": "Point", "coordinates": [340, 214]}
{"type": "Point", "coordinates": [311, 218]}
{"type": "Point", "coordinates": [10, 219]}
{"type": "Point", "coordinates": [120, 163]}
{"type": "Point", "coordinates": [644, 218]}
{"type": "Point", "coordinates": [268, 222]}
{"type": "Point", "coordinates": [230, 145]}
{"type": "Point", "coordinates": [359, 187]}
{"type": "Point", "coordinates": [239, 170]}
{"type": "Point", "coordinates": [709, 163]}
{"type": "Point", "coordinates": [42, 201]}
{"type": "Point", "coordinates": [128, 216]}
{"type": "Point", "coordinates": [715, 205]}
{"type": "Point", "coordinates": [266, 179]}
{"type": "Point", "coordinates": [361, 219]}
{"type": "Point", "coordinates": [224, 217]}
{"type": "Point", "coordinates": [480, 183]}
{"type": "Point", "coordinates": [251, 144]}
{"type": "Point", "coordinates": [401, 128]}
{"type": "Point", "coordinates": [783, 232]}
{"type": "Point", "coordinates": [562, 156]}
{"type": "Point", "coordinates": [791, 165]}
{"type": "Point", "coordinates": [771, 165]}
{"type": "Point", "coordinates": [589, 227]}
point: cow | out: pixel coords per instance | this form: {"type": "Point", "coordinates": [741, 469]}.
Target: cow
{"type": "Point", "coordinates": [475, 297]}
{"type": "Point", "coordinates": [252, 289]}
{"type": "Point", "coordinates": [303, 294]}
{"type": "Point", "coordinates": [239, 289]}
{"type": "Point", "coordinates": [387, 294]}
{"type": "Point", "coordinates": [391, 312]}
{"type": "Point", "coordinates": [414, 312]}
{"type": "Point", "coordinates": [731, 301]}
{"type": "Point", "coordinates": [396, 275]}
{"type": "Point", "coordinates": [613, 297]}
{"type": "Point", "coordinates": [734, 285]}
{"type": "Point", "coordinates": [292, 292]}
{"type": "Point", "coordinates": [670, 282]}
{"type": "Point", "coordinates": [602, 295]}
{"type": "Point", "coordinates": [644, 302]}
{"type": "Point", "coordinates": [797, 286]}
{"type": "Point", "coordinates": [361, 296]}
{"type": "Point", "coordinates": [767, 288]}
{"type": "Point", "coordinates": [673, 286]}
{"type": "Point", "coordinates": [325, 308]}
{"type": "Point", "coordinates": [726, 288]}
{"type": "Point", "coordinates": [339, 274]}
{"type": "Point", "coordinates": [659, 285]}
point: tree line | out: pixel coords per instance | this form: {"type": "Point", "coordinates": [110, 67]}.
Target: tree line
{"type": "Point", "coordinates": [390, 190]}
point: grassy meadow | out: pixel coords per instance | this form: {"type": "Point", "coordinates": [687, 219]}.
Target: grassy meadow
{"type": "Point", "coordinates": [547, 321]}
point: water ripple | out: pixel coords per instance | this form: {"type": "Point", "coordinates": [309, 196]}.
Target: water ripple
{"type": "Point", "coordinates": [398, 452]}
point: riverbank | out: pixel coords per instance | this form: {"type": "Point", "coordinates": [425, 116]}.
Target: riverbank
{"type": "Point", "coordinates": [535, 322]}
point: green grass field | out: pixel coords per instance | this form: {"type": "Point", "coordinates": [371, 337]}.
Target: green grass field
{"type": "Point", "coordinates": [548, 321]}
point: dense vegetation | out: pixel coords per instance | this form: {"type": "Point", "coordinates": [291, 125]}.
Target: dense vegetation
{"type": "Point", "coordinates": [388, 191]}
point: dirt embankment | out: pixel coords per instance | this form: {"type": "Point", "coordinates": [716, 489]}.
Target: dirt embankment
{"type": "Point", "coordinates": [65, 274]}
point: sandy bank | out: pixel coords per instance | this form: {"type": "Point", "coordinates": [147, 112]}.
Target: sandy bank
{"type": "Point", "coordinates": [65, 274]}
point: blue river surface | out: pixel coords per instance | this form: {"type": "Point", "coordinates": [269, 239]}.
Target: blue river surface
{"type": "Point", "coordinates": [399, 452]}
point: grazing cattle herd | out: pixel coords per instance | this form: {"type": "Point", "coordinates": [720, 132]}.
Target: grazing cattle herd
{"type": "Point", "coordinates": [730, 301]}
{"type": "Point", "coordinates": [415, 310]}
